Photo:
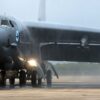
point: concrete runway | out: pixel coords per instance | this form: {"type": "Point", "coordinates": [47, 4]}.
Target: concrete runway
{"type": "Point", "coordinates": [66, 88]}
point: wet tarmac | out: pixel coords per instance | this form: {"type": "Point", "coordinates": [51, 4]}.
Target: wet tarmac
{"type": "Point", "coordinates": [62, 85]}
{"type": "Point", "coordinates": [87, 89]}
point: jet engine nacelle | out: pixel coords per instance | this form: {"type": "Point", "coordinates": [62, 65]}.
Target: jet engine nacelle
{"type": "Point", "coordinates": [84, 41]}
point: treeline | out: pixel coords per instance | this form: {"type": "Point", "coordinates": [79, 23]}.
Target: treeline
{"type": "Point", "coordinates": [77, 68]}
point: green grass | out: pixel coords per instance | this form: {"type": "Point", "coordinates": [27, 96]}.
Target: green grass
{"type": "Point", "coordinates": [77, 68]}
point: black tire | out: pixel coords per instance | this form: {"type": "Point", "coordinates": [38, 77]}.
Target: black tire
{"type": "Point", "coordinates": [49, 78]}
{"type": "Point", "coordinates": [12, 81]}
{"type": "Point", "coordinates": [22, 78]}
{"type": "Point", "coordinates": [33, 78]}
{"type": "Point", "coordinates": [2, 79]}
{"type": "Point", "coordinates": [39, 82]}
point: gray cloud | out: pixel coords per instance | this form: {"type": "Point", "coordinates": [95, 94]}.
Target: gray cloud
{"type": "Point", "coordinates": [71, 12]}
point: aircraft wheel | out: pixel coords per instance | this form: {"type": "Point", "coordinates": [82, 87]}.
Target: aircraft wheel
{"type": "Point", "coordinates": [22, 78]}
{"type": "Point", "coordinates": [39, 82]}
{"type": "Point", "coordinates": [49, 78]}
{"type": "Point", "coordinates": [33, 78]}
{"type": "Point", "coordinates": [12, 81]}
{"type": "Point", "coordinates": [2, 79]}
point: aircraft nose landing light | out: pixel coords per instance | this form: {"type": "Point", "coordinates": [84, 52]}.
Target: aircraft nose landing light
{"type": "Point", "coordinates": [32, 63]}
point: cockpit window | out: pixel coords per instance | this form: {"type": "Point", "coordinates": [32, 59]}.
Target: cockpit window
{"type": "Point", "coordinates": [7, 23]}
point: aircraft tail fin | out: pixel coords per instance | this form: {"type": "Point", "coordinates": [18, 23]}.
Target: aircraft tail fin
{"type": "Point", "coordinates": [42, 10]}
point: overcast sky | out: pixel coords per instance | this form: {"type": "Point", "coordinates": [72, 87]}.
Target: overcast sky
{"type": "Point", "coordinates": [84, 13]}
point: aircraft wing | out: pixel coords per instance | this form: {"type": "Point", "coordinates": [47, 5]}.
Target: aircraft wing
{"type": "Point", "coordinates": [45, 32]}
{"type": "Point", "coordinates": [75, 43]}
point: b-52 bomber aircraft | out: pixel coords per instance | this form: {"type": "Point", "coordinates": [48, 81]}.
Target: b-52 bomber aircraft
{"type": "Point", "coordinates": [24, 47]}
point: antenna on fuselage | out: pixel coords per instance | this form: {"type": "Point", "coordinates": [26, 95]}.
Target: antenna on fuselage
{"type": "Point", "coordinates": [42, 10]}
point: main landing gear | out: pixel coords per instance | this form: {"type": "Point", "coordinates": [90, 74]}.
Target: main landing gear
{"type": "Point", "coordinates": [33, 78]}
{"type": "Point", "coordinates": [2, 79]}
{"type": "Point", "coordinates": [22, 78]}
